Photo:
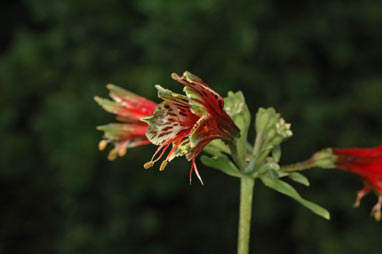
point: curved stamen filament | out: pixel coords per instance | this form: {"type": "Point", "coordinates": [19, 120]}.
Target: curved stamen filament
{"type": "Point", "coordinates": [193, 167]}
{"type": "Point", "coordinates": [165, 145]}
{"type": "Point", "coordinates": [176, 145]}
{"type": "Point", "coordinates": [150, 163]}
{"type": "Point", "coordinates": [161, 154]}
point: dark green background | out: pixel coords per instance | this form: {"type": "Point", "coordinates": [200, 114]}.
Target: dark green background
{"type": "Point", "coordinates": [317, 62]}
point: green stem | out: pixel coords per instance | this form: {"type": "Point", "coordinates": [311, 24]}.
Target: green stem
{"type": "Point", "coordinates": [238, 158]}
{"type": "Point", "coordinates": [258, 144]}
{"type": "Point", "coordinates": [299, 166]}
{"type": "Point", "coordinates": [246, 195]}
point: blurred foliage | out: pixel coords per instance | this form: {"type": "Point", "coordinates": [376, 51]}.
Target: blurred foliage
{"type": "Point", "coordinates": [316, 62]}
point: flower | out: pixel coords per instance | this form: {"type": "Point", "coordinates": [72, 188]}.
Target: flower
{"type": "Point", "coordinates": [366, 162]}
{"type": "Point", "coordinates": [130, 131]}
{"type": "Point", "coordinates": [188, 122]}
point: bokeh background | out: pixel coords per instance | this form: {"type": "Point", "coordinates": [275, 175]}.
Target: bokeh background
{"type": "Point", "coordinates": [317, 62]}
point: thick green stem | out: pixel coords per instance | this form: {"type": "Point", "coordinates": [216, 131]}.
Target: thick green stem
{"type": "Point", "coordinates": [299, 166]}
{"type": "Point", "coordinates": [246, 195]}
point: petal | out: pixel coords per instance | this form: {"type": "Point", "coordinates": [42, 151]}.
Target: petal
{"type": "Point", "coordinates": [205, 101]}
{"type": "Point", "coordinates": [168, 95]}
{"type": "Point", "coordinates": [119, 131]}
{"type": "Point", "coordinates": [109, 106]}
{"type": "Point", "coordinates": [203, 132]}
{"type": "Point", "coordinates": [166, 123]}
{"type": "Point", "coordinates": [198, 107]}
{"type": "Point", "coordinates": [131, 100]}
{"type": "Point", "coordinates": [210, 99]}
{"type": "Point", "coordinates": [171, 117]}
{"type": "Point", "coordinates": [362, 152]}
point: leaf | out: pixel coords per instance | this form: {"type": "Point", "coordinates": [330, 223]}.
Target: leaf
{"type": "Point", "coordinates": [216, 147]}
{"type": "Point", "coordinates": [222, 163]}
{"type": "Point", "coordinates": [299, 178]}
{"type": "Point", "coordinates": [288, 190]}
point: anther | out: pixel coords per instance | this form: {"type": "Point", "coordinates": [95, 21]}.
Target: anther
{"type": "Point", "coordinates": [148, 164]}
{"type": "Point", "coordinates": [122, 151]}
{"type": "Point", "coordinates": [112, 155]}
{"type": "Point", "coordinates": [163, 165]}
{"type": "Point", "coordinates": [377, 215]}
{"type": "Point", "coordinates": [102, 144]}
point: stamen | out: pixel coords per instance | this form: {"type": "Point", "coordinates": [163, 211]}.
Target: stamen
{"type": "Point", "coordinates": [176, 145]}
{"type": "Point", "coordinates": [197, 172]}
{"type": "Point", "coordinates": [365, 190]}
{"type": "Point", "coordinates": [112, 154]}
{"type": "Point", "coordinates": [148, 164]}
{"type": "Point", "coordinates": [102, 144]}
{"type": "Point", "coordinates": [166, 145]}
{"type": "Point", "coordinates": [377, 216]}
{"type": "Point", "coordinates": [193, 166]}
{"type": "Point", "coordinates": [190, 175]}
{"type": "Point", "coordinates": [122, 151]}
{"type": "Point", "coordinates": [163, 165]}
{"type": "Point", "coordinates": [376, 211]}
{"type": "Point", "coordinates": [161, 154]}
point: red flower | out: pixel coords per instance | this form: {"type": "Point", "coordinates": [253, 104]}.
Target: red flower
{"type": "Point", "coordinates": [131, 131]}
{"type": "Point", "coordinates": [189, 122]}
{"type": "Point", "coordinates": [366, 162]}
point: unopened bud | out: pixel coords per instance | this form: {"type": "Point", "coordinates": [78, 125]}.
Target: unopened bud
{"type": "Point", "coordinates": [102, 145]}
{"type": "Point", "coordinates": [163, 165]}
{"type": "Point", "coordinates": [148, 164]}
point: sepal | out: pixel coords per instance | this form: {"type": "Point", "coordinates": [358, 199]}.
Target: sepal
{"type": "Point", "coordinates": [324, 158]}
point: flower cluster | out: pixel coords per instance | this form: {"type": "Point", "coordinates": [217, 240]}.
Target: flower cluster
{"type": "Point", "coordinates": [130, 131]}
{"type": "Point", "coordinates": [187, 122]}
{"type": "Point", "coordinates": [184, 124]}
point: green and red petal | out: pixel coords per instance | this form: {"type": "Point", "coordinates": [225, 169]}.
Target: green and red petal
{"type": "Point", "coordinates": [188, 123]}
{"type": "Point", "coordinates": [126, 104]}
{"type": "Point", "coordinates": [205, 101]}
{"type": "Point", "coordinates": [131, 131]}
{"type": "Point", "coordinates": [170, 124]}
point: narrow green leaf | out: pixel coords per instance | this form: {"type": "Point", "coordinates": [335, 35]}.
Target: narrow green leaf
{"type": "Point", "coordinates": [299, 178]}
{"type": "Point", "coordinates": [288, 190]}
{"type": "Point", "coordinates": [222, 163]}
